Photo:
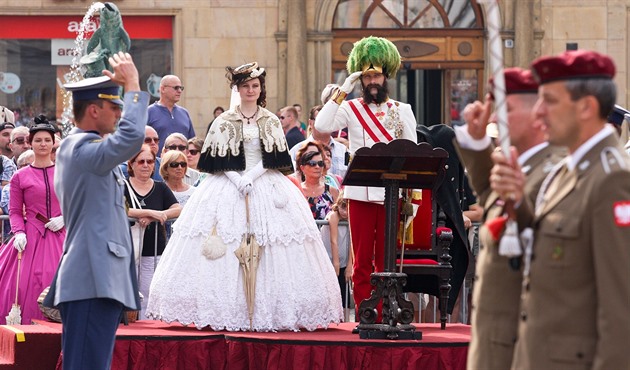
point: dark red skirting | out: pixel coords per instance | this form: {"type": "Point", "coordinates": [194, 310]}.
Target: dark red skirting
{"type": "Point", "coordinates": [156, 345]}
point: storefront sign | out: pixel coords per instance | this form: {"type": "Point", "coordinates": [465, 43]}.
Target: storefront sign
{"type": "Point", "coordinates": [62, 51]}
{"type": "Point", "coordinates": [66, 27]}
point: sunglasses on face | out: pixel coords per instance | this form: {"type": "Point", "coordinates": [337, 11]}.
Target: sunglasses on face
{"type": "Point", "coordinates": [20, 140]}
{"type": "Point", "coordinates": [193, 151]}
{"type": "Point", "coordinates": [181, 148]}
{"type": "Point", "coordinates": [313, 163]}
{"type": "Point", "coordinates": [147, 161]}
{"type": "Point", "coordinates": [148, 140]}
{"type": "Point", "coordinates": [177, 88]}
{"type": "Point", "coordinates": [281, 117]}
{"type": "Point", "coordinates": [178, 164]}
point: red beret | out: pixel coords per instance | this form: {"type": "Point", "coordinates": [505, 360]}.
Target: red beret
{"type": "Point", "coordinates": [517, 81]}
{"type": "Point", "coordinates": [575, 64]}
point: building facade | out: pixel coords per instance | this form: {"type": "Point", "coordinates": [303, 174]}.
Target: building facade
{"type": "Point", "coordinates": [303, 44]}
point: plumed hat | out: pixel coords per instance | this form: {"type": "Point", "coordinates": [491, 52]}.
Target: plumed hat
{"type": "Point", "coordinates": [572, 65]}
{"type": "Point", "coordinates": [374, 54]}
{"type": "Point", "coordinates": [244, 73]}
{"type": "Point", "coordinates": [41, 123]}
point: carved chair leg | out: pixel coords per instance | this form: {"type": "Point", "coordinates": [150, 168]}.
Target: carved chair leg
{"type": "Point", "coordinates": [445, 288]}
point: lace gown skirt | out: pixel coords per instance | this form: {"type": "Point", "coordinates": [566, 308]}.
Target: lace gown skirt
{"type": "Point", "coordinates": [296, 284]}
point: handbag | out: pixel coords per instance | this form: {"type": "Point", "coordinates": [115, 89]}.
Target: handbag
{"type": "Point", "coordinates": [137, 230]}
{"type": "Point", "coordinates": [213, 247]}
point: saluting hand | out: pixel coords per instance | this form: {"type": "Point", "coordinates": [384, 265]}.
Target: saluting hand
{"type": "Point", "coordinates": [125, 71]}
{"type": "Point", "coordinates": [348, 84]}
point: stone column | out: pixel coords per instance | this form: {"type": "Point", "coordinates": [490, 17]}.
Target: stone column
{"type": "Point", "coordinates": [524, 33]}
{"type": "Point", "coordinates": [296, 76]}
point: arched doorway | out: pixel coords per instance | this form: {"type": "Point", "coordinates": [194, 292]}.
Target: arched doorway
{"type": "Point", "coordinates": [440, 41]}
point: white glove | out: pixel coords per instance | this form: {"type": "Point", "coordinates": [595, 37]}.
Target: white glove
{"type": "Point", "coordinates": [19, 242]}
{"type": "Point", "coordinates": [55, 224]}
{"type": "Point", "coordinates": [243, 183]}
{"type": "Point", "coordinates": [348, 84]}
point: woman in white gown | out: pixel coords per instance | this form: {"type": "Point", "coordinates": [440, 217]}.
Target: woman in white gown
{"type": "Point", "coordinates": [296, 287]}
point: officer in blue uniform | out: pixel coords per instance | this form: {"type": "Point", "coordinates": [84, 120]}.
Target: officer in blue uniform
{"type": "Point", "coordinates": [96, 279]}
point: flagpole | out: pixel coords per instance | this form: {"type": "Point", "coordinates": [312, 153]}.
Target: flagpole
{"type": "Point", "coordinates": [495, 52]}
{"type": "Point", "coordinates": [509, 245]}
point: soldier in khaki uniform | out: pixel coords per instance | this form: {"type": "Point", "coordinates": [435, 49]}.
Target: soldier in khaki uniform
{"type": "Point", "coordinates": [576, 287]}
{"type": "Point", "coordinates": [496, 293]}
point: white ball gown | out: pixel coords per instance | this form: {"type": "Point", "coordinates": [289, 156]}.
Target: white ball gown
{"type": "Point", "coordinates": [296, 285]}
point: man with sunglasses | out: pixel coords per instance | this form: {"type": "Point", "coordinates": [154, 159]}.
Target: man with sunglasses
{"type": "Point", "coordinates": [19, 142]}
{"type": "Point", "coordinates": [165, 116]}
{"type": "Point", "coordinates": [151, 139]}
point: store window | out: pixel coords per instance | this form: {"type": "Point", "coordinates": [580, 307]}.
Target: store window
{"type": "Point", "coordinates": [441, 45]}
{"type": "Point", "coordinates": [414, 14]}
{"type": "Point", "coordinates": [35, 59]}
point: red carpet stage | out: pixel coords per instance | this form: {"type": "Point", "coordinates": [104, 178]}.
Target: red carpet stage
{"type": "Point", "coordinates": [156, 345]}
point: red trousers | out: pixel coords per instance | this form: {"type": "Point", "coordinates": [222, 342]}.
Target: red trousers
{"type": "Point", "coordinates": [367, 230]}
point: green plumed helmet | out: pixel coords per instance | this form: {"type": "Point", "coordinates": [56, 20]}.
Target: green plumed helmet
{"type": "Point", "coordinates": [374, 52]}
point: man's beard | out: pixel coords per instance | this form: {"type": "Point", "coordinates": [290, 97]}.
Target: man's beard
{"type": "Point", "coordinates": [381, 95]}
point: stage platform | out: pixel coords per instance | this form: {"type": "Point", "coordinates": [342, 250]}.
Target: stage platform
{"type": "Point", "coordinates": [157, 345]}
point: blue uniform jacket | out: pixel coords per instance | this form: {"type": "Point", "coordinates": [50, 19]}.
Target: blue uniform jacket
{"type": "Point", "coordinates": [97, 259]}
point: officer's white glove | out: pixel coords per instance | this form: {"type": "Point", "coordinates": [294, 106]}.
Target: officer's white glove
{"type": "Point", "coordinates": [348, 84]}
{"type": "Point", "coordinates": [55, 224]}
{"type": "Point", "coordinates": [19, 242]}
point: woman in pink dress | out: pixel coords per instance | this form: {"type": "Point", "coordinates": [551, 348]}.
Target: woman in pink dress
{"type": "Point", "coordinates": [37, 226]}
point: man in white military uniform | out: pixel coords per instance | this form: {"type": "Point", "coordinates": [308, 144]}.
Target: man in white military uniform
{"type": "Point", "coordinates": [371, 119]}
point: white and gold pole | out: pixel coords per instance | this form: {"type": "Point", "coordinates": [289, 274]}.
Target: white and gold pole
{"type": "Point", "coordinates": [509, 245]}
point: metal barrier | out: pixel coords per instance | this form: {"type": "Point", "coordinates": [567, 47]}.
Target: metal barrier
{"type": "Point", "coordinates": [348, 304]}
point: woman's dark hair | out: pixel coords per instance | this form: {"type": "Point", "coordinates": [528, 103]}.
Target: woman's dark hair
{"type": "Point", "coordinates": [308, 156]}
{"type": "Point", "coordinates": [302, 154]}
{"type": "Point", "coordinates": [41, 123]}
{"type": "Point", "coordinates": [145, 147]}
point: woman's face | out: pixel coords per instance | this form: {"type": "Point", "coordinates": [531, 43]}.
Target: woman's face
{"type": "Point", "coordinates": [314, 167]}
{"type": "Point", "coordinates": [176, 169]}
{"type": "Point", "coordinates": [143, 165]}
{"type": "Point", "coordinates": [250, 90]}
{"type": "Point", "coordinates": [327, 160]}
{"type": "Point", "coordinates": [343, 209]}
{"type": "Point", "coordinates": [193, 155]}
{"type": "Point", "coordinates": [42, 143]}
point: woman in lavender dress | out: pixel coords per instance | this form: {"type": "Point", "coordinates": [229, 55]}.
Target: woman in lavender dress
{"type": "Point", "coordinates": [38, 229]}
